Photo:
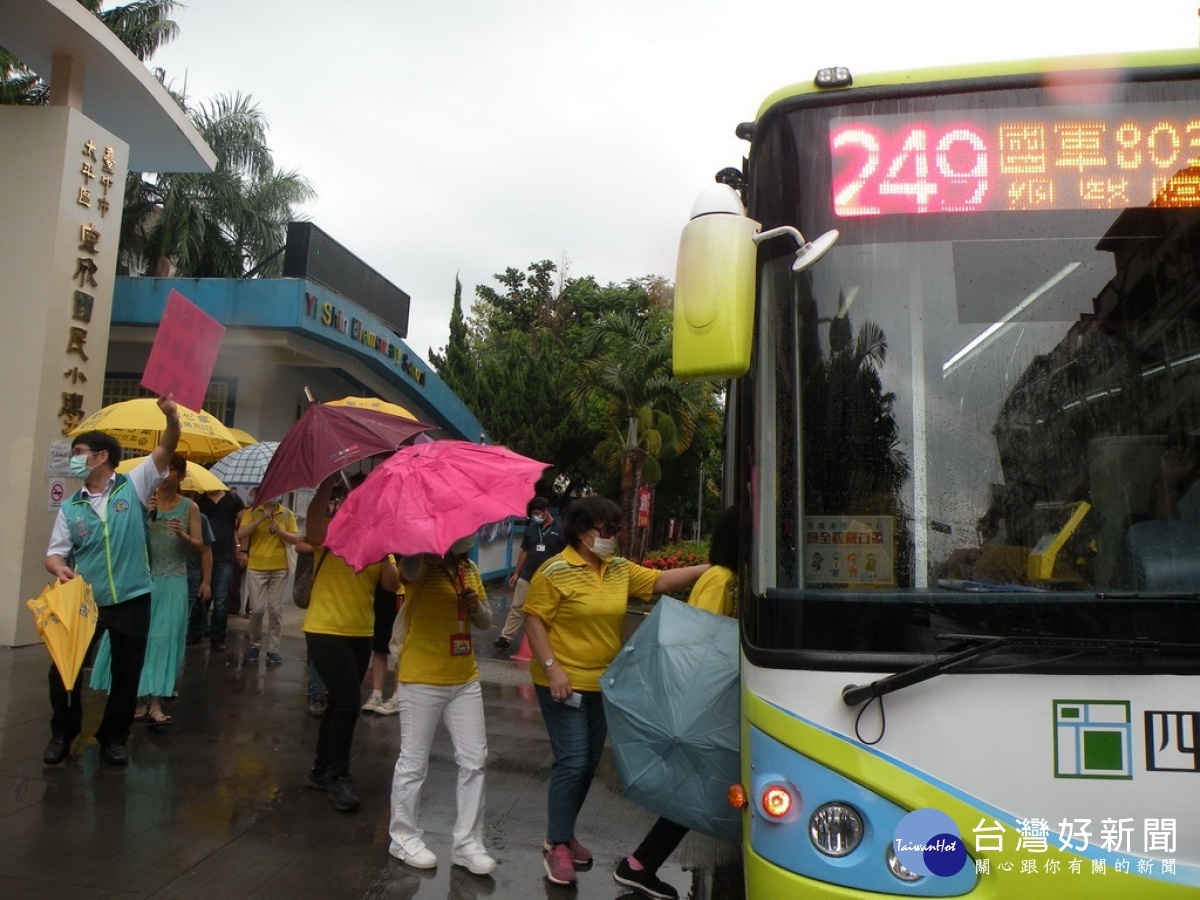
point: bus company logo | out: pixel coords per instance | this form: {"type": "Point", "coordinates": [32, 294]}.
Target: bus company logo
{"type": "Point", "coordinates": [1093, 739]}
{"type": "Point", "coordinates": [927, 842]}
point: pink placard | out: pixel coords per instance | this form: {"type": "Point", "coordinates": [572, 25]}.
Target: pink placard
{"type": "Point", "coordinates": [184, 353]}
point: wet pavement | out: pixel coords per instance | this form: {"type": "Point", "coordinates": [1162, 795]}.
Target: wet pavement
{"type": "Point", "coordinates": [215, 804]}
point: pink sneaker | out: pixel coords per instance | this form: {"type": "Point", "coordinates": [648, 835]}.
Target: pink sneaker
{"type": "Point", "coordinates": [580, 855]}
{"type": "Point", "coordinates": [560, 867]}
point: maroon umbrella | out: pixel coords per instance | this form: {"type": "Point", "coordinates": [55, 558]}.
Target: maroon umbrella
{"type": "Point", "coordinates": [329, 438]}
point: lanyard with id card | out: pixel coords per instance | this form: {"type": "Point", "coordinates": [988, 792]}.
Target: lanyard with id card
{"type": "Point", "coordinates": [460, 644]}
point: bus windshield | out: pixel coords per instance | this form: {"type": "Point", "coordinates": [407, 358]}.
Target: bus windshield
{"type": "Point", "coordinates": [987, 393]}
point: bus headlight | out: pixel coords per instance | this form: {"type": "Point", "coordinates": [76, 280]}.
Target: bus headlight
{"type": "Point", "coordinates": [835, 829]}
{"type": "Point", "coordinates": [897, 868]}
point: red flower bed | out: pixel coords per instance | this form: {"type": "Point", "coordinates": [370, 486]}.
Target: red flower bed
{"type": "Point", "coordinates": [675, 556]}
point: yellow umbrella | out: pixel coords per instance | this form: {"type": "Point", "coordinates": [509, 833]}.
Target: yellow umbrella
{"type": "Point", "coordinates": [138, 424]}
{"type": "Point", "coordinates": [197, 478]}
{"type": "Point", "coordinates": [66, 619]}
{"type": "Point", "coordinates": [392, 409]}
{"type": "Point", "coordinates": [244, 438]}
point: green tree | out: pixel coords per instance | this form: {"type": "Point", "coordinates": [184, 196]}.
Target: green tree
{"type": "Point", "coordinates": [223, 224]}
{"type": "Point", "coordinates": [512, 362]}
{"type": "Point", "coordinates": [647, 415]}
{"type": "Point", "coordinates": [533, 347]}
{"type": "Point", "coordinates": [846, 406]}
{"type": "Point", "coordinates": [143, 27]}
{"type": "Point", "coordinates": [455, 366]}
{"type": "Point", "coordinates": [692, 481]}
{"type": "Point", "coordinates": [526, 302]}
{"type": "Point", "coordinates": [527, 347]}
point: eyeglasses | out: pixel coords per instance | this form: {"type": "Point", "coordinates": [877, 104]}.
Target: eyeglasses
{"type": "Point", "coordinates": [606, 531]}
{"type": "Point", "coordinates": [83, 451]}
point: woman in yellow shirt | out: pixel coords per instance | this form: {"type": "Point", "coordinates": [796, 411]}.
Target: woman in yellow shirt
{"type": "Point", "coordinates": [269, 529]}
{"type": "Point", "coordinates": [438, 680]}
{"type": "Point", "coordinates": [714, 592]}
{"type": "Point", "coordinates": [337, 629]}
{"type": "Point", "coordinates": [574, 612]}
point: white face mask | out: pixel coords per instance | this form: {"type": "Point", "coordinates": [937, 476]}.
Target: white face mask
{"type": "Point", "coordinates": [604, 547]}
{"type": "Point", "coordinates": [539, 518]}
{"type": "Point", "coordinates": [462, 545]}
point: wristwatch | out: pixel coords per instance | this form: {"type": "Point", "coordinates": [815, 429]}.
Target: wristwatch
{"type": "Point", "coordinates": [548, 663]}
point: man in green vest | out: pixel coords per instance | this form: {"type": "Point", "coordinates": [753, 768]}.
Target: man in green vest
{"type": "Point", "coordinates": [100, 535]}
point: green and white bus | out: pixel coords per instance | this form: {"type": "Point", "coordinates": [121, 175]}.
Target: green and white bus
{"type": "Point", "coordinates": [960, 314]}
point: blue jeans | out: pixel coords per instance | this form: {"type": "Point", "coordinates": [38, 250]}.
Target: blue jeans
{"type": "Point", "coordinates": [220, 583]}
{"type": "Point", "coordinates": [577, 740]}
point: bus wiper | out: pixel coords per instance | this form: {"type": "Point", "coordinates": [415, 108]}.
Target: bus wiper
{"type": "Point", "coordinates": [854, 694]}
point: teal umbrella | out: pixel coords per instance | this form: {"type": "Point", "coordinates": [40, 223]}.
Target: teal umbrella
{"type": "Point", "coordinates": [672, 702]}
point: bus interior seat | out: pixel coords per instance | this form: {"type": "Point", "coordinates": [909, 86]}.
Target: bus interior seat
{"type": "Point", "coordinates": [1161, 555]}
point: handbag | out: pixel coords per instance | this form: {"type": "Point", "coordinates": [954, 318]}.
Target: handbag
{"type": "Point", "coordinates": [306, 576]}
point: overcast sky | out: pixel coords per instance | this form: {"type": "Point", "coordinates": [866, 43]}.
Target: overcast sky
{"type": "Point", "coordinates": [467, 136]}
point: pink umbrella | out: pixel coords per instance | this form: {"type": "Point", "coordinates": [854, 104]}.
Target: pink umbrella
{"type": "Point", "coordinates": [328, 438]}
{"type": "Point", "coordinates": [424, 498]}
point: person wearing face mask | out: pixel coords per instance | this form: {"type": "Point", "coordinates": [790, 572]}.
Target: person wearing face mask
{"type": "Point", "coordinates": [574, 612]}
{"type": "Point", "coordinates": [437, 680]}
{"type": "Point", "coordinates": [102, 530]}
{"type": "Point", "coordinates": [543, 539]}
{"type": "Point", "coordinates": [174, 534]}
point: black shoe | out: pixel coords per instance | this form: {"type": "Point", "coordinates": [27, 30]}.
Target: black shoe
{"type": "Point", "coordinates": [193, 641]}
{"type": "Point", "coordinates": [502, 643]}
{"type": "Point", "coordinates": [115, 755]}
{"type": "Point", "coordinates": [341, 792]}
{"type": "Point", "coordinates": [56, 751]}
{"type": "Point", "coordinates": [318, 779]}
{"type": "Point", "coordinates": [644, 882]}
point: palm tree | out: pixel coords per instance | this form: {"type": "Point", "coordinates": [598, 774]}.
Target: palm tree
{"type": "Point", "coordinates": [647, 414]}
{"type": "Point", "coordinates": [19, 86]}
{"type": "Point", "coordinates": [143, 26]}
{"type": "Point", "coordinates": [218, 225]}
{"type": "Point", "coordinates": [854, 463]}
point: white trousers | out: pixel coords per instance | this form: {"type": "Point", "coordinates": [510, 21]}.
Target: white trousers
{"type": "Point", "coordinates": [422, 706]}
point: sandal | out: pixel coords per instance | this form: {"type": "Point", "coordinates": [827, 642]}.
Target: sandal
{"type": "Point", "coordinates": [158, 721]}
{"type": "Point", "coordinates": [141, 712]}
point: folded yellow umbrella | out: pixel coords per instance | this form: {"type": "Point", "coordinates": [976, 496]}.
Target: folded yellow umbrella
{"type": "Point", "coordinates": [66, 613]}
{"type": "Point", "coordinates": [197, 479]}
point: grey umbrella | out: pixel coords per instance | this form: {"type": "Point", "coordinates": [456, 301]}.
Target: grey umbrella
{"type": "Point", "coordinates": [672, 702]}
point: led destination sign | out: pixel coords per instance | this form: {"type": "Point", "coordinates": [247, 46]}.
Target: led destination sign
{"type": "Point", "coordinates": [1009, 160]}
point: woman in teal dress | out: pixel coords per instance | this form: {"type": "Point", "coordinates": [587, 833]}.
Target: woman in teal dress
{"type": "Point", "coordinates": [174, 531]}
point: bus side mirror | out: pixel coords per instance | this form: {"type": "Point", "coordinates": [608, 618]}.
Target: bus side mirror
{"type": "Point", "coordinates": [714, 288]}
